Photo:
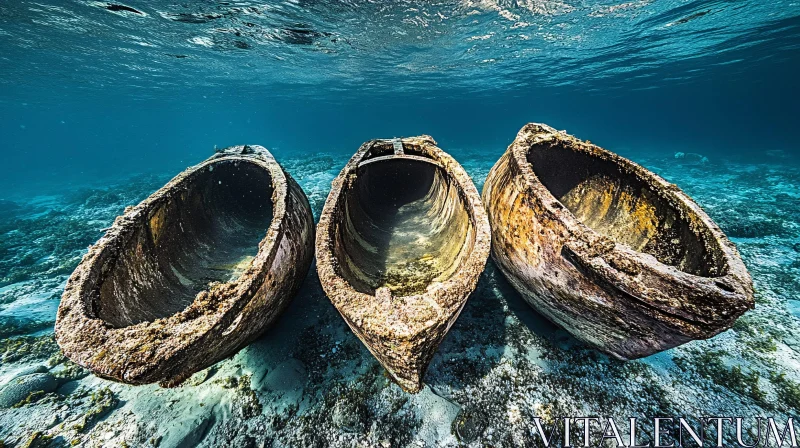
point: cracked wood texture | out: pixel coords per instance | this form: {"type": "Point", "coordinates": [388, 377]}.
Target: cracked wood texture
{"type": "Point", "coordinates": [606, 249]}
{"type": "Point", "coordinates": [191, 274]}
{"type": "Point", "coordinates": [401, 243]}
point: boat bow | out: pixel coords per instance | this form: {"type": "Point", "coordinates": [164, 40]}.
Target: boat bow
{"type": "Point", "coordinates": [401, 329]}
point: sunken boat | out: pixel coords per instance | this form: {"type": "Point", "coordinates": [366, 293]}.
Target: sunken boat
{"type": "Point", "coordinates": [401, 242]}
{"type": "Point", "coordinates": [190, 275]}
{"type": "Point", "coordinates": [606, 249]}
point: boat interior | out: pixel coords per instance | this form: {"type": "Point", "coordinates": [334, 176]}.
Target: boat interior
{"type": "Point", "coordinates": [405, 225]}
{"type": "Point", "coordinates": [617, 203]}
{"type": "Point", "coordinates": [209, 232]}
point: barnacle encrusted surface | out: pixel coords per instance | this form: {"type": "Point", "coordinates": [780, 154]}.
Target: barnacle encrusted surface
{"type": "Point", "coordinates": [606, 249]}
{"type": "Point", "coordinates": [191, 274]}
{"type": "Point", "coordinates": [401, 243]}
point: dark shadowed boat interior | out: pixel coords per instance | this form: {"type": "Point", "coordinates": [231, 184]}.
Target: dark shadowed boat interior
{"type": "Point", "coordinates": [616, 202]}
{"type": "Point", "coordinates": [208, 233]}
{"type": "Point", "coordinates": [406, 226]}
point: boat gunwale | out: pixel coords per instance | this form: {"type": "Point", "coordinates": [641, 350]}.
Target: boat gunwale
{"type": "Point", "coordinates": [180, 330]}
{"type": "Point", "coordinates": [339, 289]}
{"type": "Point", "coordinates": [736, 282]}
{"type": "Point", "coordinates": [407, 157]}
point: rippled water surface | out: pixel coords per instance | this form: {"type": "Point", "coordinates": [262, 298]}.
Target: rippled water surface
{"type": "Point", "coordinates": [410, 46]}
{"type": "Point", "coordinates": [103, 102]}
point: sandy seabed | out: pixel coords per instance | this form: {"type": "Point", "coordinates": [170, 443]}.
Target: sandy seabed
{"type": "Point", "coordinates": [309, 381]}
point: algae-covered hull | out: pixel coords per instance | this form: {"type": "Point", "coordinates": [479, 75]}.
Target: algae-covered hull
{"type": "Point", "coordinates": [191, 274]}
{"type": "Point", "coordinates": [401, 242]}
{"type": "Point", "coordinates": [608, 250]}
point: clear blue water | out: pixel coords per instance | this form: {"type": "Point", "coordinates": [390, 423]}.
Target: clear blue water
{"type": "Point", "coordinates": [86, 91]}
{"type": "Point", "coordinates": [103, 102]}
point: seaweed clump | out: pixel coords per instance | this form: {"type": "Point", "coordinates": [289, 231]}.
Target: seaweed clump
{"type": "Point", "coordinates": [249, 404]}
{"type": "Point", "coordinates": [28, 348]}
{"type": "Point", "coordinates": [101, 401]}
{"type": "Point", "coordinates": [711, 365]}
{"type": "Point", "coordinates": [37, 440]}
{"type": "Point", "coordinates": [361, 411]}
{"type": "Point", "coordinates": [788, 391]}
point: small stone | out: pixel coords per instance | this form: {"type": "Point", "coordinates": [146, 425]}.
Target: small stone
{"type": "Point", "coordinates": [19, 388]}
{"type": "Point", "coordinates": [53, 420]}
{"type": "Point", "coordinates": [469, 425]}
{"type": "Point", "coordinates": [31, 370]}
{"type": "Point", "coordinates": [346, 417]}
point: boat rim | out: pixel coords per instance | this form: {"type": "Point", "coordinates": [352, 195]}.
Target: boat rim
{"type": "Point", "coordinates": [236, 293]}
{"type": "Point", "coordinates": [342, 293]}
{"type": "Point", "coordinates": [535, 133]}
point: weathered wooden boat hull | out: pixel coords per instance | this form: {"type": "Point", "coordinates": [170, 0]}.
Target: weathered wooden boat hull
{"type": "Point", "coordinates": [620, 258]}
{"type": "Point", "coordinates": [401, 242]}
{"type": "Point", "coordinates": [191, 274]}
